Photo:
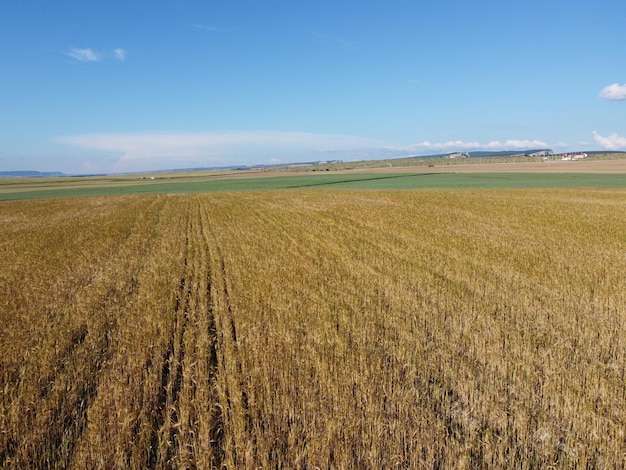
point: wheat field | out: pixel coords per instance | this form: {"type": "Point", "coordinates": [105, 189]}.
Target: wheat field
{"type": "Point", "coordinates": [315, 329]}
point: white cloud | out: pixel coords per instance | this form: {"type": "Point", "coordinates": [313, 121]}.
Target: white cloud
{"type": "Point", "coordinates": [120, 54]}
{"type": "Point", "coordinates": [454, 145]}
{"type": "Point", "coordinates": [611, 142]}
{"type": "Point", "coordinates": [84, 55]}
{"type": "Point", "coordinates": [614, 92]}
{"type": "Point", "coordinates": [144, 151]}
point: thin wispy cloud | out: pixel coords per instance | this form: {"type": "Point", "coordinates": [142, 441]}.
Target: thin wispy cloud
{"type": "Point", "coordinates": [614, 92]}
{"type": "Point", "coordinates": [141, 151]}
{"type": "Point", "coordinates": [84, 55]}
{"type": "Point", "coordinates": [333, 41]}
{"type": "Point", "coordinates": [89, 55]}
{"type": "Point", "coordinates": [120, 54]}
{"type": "Point", "coordinates": [610, 142]}
{"type": "Point", "coordinates": [213, 29]}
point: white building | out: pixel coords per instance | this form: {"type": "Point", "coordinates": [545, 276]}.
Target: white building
{"type": "Point", "coordinates": [542, 153]}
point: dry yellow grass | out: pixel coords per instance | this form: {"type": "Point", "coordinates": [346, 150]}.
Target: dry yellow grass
{"type": "Point", "coordinates": [426, 329]}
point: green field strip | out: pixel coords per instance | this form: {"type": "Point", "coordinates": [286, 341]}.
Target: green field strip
{"type": "Point", "coordinates": [399, 181]}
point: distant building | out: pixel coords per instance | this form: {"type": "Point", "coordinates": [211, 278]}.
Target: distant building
{"type": "Point", "coordinates": [574, 156]}
{"type": "Point", "coordinates": [541, 153]}
{"type": "Point", "coordinates": [457, 155]}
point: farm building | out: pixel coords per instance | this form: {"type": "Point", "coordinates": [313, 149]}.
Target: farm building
{"type": "Point", "coordinates": [574, 156]}
{"type": "Point", "coordinates": [541, 153]}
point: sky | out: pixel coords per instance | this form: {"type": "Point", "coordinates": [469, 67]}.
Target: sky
{"type": "Point", "coordinates": [134, 85]}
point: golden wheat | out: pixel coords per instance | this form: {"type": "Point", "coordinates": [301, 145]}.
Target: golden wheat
{"type": "Point", "coordinates": [304, 329]}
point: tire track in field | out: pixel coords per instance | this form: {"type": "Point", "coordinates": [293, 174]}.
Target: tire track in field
{"type": "Point", "coordinates": [190, 422]}
{"type": "Point", "coordinates": [233, 428]}
{"type": "Point", "coordinates": [215, 418]}
{"type": "Point", "coordinates": [351, 179]}
{"type": "Point", "coordinates": [165, 441]}
{"type": "Point", "coordinates": [172, 377]}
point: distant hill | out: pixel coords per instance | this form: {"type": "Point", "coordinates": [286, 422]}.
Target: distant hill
{"type": "Point", "coordinates": [29, 174]}
{"type": "Point", "coordinates": [505, 153]}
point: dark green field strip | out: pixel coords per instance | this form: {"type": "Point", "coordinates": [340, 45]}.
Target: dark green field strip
{"type": "Point", "coordinates": [335, 181]}
{"type": "Point", "coordinates": [208, 185]}
{"type": "Point", "coordinates": [489, 181]}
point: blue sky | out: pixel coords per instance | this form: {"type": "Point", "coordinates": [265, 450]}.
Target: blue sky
{"type": "Point", "coordinates": [116, 86]}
